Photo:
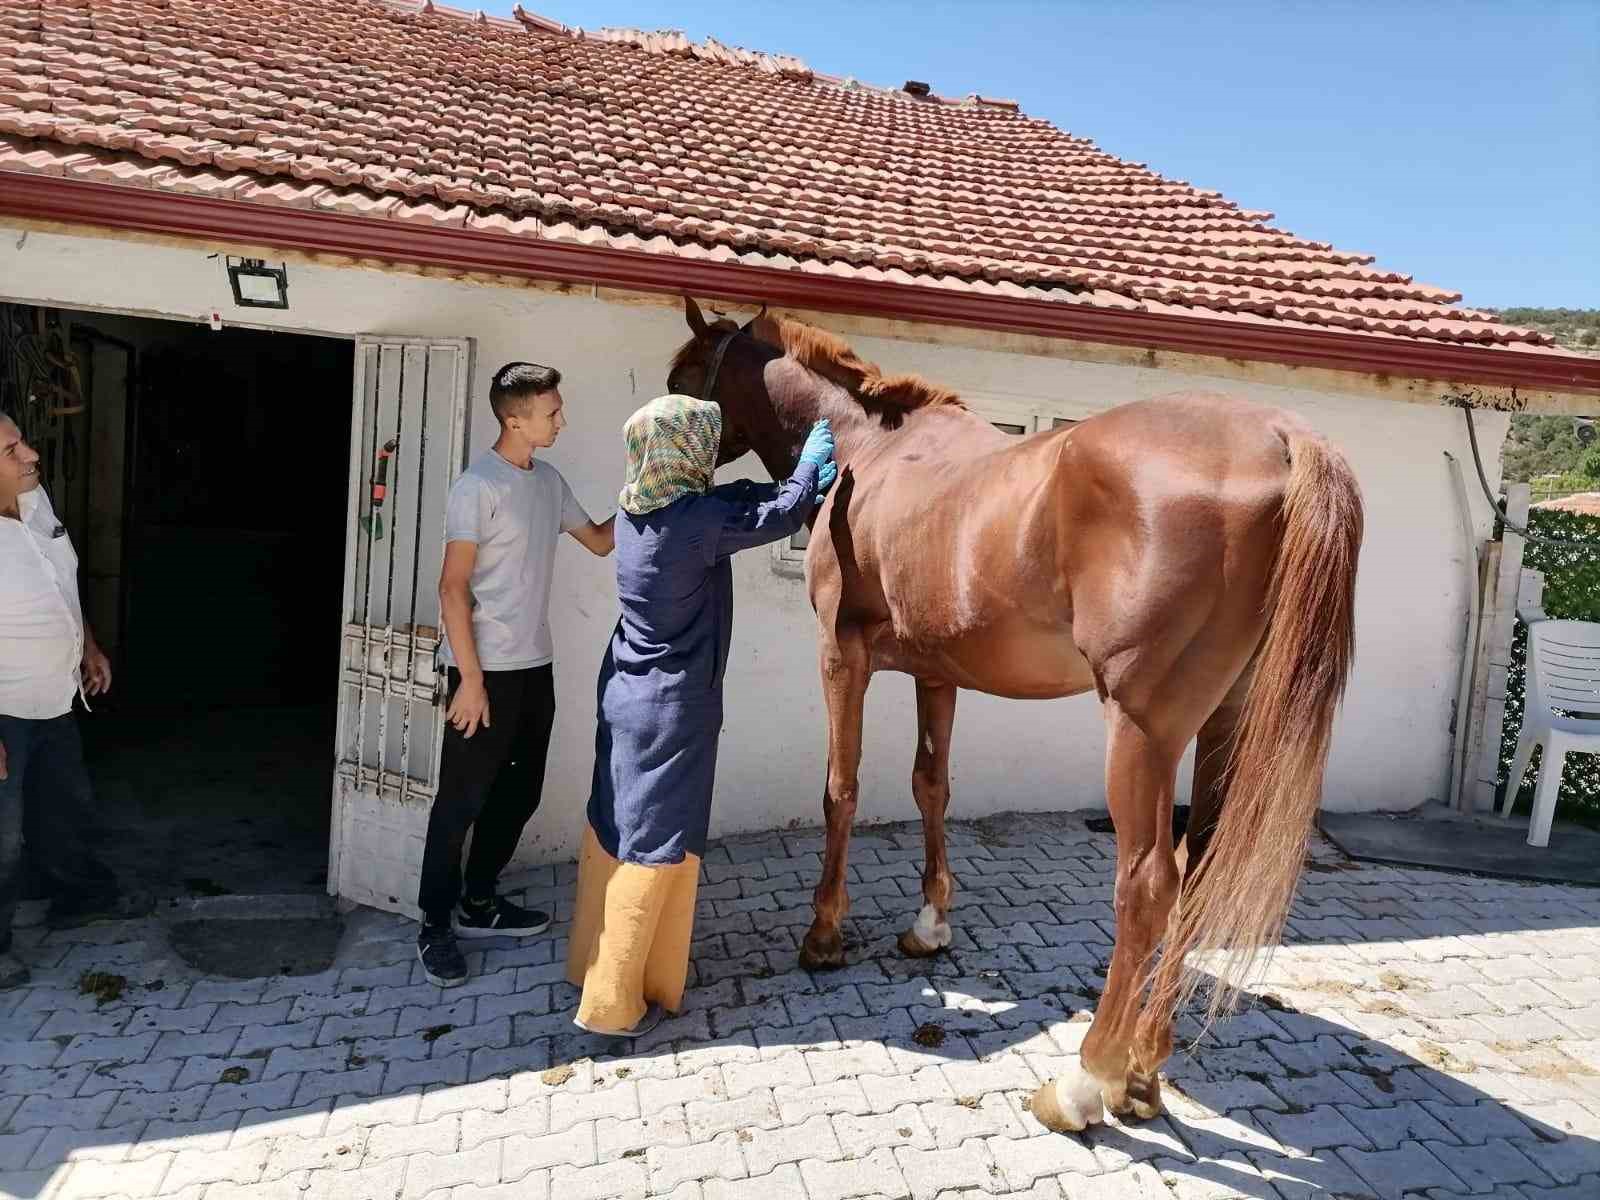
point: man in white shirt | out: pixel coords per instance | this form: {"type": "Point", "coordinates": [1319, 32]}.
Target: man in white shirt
{"type": "Point", "coordinates": [503, 519]}
{"type": "Point", "coordinates": [47, 655]}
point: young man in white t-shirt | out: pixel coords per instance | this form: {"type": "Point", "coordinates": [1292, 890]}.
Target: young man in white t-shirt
{"type": "Point", "coordinates": [502, 520]}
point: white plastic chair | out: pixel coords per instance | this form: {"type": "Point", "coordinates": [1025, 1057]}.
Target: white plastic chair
{"type": "Point", "coordinates": [1561, 712]}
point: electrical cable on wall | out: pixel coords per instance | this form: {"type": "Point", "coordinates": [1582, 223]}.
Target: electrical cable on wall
{"type": "Point", "coordinates": [1500, 509]}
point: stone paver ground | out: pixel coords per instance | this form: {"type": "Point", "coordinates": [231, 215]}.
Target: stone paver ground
{"type": "Point", "coordinates": [1422, 1033]}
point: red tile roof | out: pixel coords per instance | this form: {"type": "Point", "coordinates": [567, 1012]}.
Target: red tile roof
{"type": "Point", "coordinates": [413, 113]}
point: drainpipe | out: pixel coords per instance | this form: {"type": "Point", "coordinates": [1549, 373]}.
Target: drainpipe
{"type": "Point", "coordinates": [1469, 651]}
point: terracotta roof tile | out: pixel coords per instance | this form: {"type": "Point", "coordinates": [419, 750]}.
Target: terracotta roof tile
{"type": "Point", "coordinates": [430, 213]}
{"type": "Point", "coordinates": [288, 192]}
{"type": "Point", "coordinates": [46, 161]}
{"type": "Point", "coordinates": [407, 110]}
{"type": "Point", "coordinates": [203, 181]}
{"type": "Point", "coordinates": [105, 168]}
{"type": "Point", "coordinates": [357, 203]}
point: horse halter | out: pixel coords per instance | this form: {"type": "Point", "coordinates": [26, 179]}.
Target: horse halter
{"type": "Point", "coordinates": [716, 364]}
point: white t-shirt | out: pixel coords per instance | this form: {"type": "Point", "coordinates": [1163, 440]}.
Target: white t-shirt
{"type": "Point", "coordinates": [41, 621]}
{"type": "Point", "coordinates": [514, 516]}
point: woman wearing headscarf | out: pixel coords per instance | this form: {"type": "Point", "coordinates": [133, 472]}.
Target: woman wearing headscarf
{"type": "Point", "coordinates": [660, 702]}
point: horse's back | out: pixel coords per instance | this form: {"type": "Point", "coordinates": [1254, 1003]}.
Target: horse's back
{"type": "Point", "coordinates": [979, 566]}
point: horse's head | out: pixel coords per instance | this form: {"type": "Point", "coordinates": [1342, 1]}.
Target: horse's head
{"type": "Point", "coordinates": [725, 362]}
{"type": "Point", "coordinates": [773, 377]}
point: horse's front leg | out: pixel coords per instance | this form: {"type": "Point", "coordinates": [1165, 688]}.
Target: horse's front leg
{"type": "Point", "coordinates": [930, 784]}
{"type": "Point", "coordinates": [845, 668]}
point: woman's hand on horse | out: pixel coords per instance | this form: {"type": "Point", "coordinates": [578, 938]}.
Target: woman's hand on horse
{"type": "Point", "coordinates": [825, 478]}
{"type": "Point", "coordinates": [819, 445]}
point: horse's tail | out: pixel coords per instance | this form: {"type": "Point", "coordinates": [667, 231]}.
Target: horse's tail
{"type": "Point", "coordinates": [1238, 898]}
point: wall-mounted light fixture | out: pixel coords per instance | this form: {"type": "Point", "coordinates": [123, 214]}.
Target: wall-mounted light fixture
{"type": "Point", "coordinates": [256, 285]}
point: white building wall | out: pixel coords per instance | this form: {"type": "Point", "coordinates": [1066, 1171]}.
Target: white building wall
{"type": "Point", "coordinates": [1392, 747]}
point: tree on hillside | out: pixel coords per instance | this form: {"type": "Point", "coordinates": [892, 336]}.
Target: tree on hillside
{"type": "Point", "coordinates": [1573, 328]}
{"type": "Point", "coordinates": [1539, 445]}
{"type": "Point", "coordinates": [1551, 445]}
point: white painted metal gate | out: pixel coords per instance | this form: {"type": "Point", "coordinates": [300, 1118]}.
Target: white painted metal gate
{"type": "Point", "coordinates": [407, 444]}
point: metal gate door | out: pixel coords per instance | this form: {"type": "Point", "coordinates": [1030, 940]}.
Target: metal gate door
{"type": "Point", "coordinates": [407, 444]}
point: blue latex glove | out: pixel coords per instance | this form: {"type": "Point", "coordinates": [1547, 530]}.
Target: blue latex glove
{"type": "Point", "coordinates": [819, 444]}
{"type": "Point", "coordinates": [825, 478]}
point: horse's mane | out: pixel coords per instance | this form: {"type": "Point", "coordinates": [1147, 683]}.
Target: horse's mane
{"type": "Point", "coordinates": [829, 355]}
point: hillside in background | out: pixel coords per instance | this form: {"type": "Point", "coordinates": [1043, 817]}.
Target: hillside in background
{"type": "Point", "coordinates": [1574, 328]}
{"type": "Point", "coordinates": [1542, 447]}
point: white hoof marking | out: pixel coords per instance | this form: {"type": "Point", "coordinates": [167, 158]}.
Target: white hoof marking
{"type": "Point", "coordinates": [1078, 1095]}
{"type": "Point", "coordinates": [930, 930]}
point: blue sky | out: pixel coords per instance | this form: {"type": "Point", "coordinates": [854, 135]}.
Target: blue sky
{"type": "Point", "coordinates": [1459, 142]}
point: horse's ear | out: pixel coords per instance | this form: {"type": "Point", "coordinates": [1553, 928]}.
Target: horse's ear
{"type": "Point", "coordinates": [765, 329]}
{"type": "Point", "coordinates": [748, 325]}
{"type": "Point", "coordinates": [693, 315]}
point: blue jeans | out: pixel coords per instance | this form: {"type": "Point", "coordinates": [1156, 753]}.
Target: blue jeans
{"type": "Point", "coordinates": [45, 775]}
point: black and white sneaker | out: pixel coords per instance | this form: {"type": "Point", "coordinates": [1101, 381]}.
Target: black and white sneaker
{"type": "Point", "coordinates": [441, 959]}
{"type": "Point", "coordinates": [13, 971]}
{"type": "Point", "coordinates": [68, 911]}
{"type": "Point", "coordinates": [498, 918]}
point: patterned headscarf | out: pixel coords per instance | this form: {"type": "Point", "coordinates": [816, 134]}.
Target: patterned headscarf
{"type": "Point", "coordinates": [672, 447]}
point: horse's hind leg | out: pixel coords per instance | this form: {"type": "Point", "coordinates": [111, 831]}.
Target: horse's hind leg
{"type": "Point", "coordinates": [930, 784]}
{"type": "Point", "coordinates": [1213, 751]}
{"type": "Point", "coordinates": [1141, 774]}
{"type": "Point", "coordinates": [1152, 1040]}
{"type": "Point", "coordinates": [845, 669]}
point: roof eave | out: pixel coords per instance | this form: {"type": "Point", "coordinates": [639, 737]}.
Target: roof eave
{"type": "Point", "coordinates": [145, 210]}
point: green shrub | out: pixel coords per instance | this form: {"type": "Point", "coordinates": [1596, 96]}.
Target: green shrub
{"type": "Point", "coordinates": [1572, 591]}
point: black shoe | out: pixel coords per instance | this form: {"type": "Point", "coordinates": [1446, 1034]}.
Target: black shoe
{"type": "Point", "coordinates": [441, 959]}
{"type": "Point", "coordinates": [13, 971]}
{"type": "Point", "coordinates": [498, 918]}
{"type": "Point", "coordinates": [72, 909]}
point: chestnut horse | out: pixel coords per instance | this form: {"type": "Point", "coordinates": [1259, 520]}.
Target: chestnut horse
{"type": "Point", "coordinates": [1191, 558]}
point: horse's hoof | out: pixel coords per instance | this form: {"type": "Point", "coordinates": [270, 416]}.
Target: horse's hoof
{"type": "Point", "coordinates": [822, 952]}
{"type": "Point", "coordinates": [1141, 1101]}
{"type": "Point", "coordinates": [928, 936]}
{"type": "Point", "coordinates": [914, 947]}
{"type": "Point", "coordinates": [1069, 1104]}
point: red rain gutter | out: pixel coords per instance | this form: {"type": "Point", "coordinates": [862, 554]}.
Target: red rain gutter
{"type": "Point", "coordinates": [146, 210]}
